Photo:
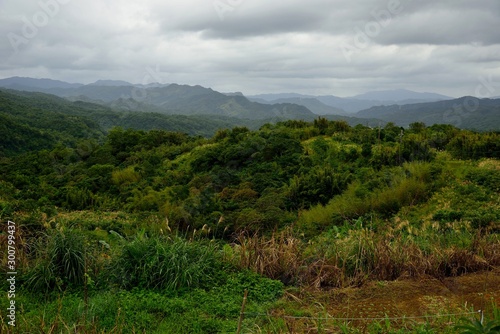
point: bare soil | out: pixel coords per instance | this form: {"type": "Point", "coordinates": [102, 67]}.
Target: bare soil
{"type": "Point", "coordinates": [425, 298]}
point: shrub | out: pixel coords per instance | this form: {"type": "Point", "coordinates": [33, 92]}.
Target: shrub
{"type": "Point", "coordinates": [485, 177]}
{"type": "Point", "coordinates": [447, 215]}
{"type": "Point", "coordinates": [483, 217]}
{"type": "Point", "coordinates": [405, 187]}
{"type": "Point", "coordinates": [125, 176]}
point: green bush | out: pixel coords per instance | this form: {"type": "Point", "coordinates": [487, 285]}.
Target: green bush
{"type": "Point", "coordinates": [483, 217]}
{"type": "Point", "coordinates": [485, 177]}
{"type": "Point", "coordinates": [447, 215]}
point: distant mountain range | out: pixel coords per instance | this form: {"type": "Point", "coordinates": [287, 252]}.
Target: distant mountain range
{"type": "Point", "coordinates": [400, 95]}
{"type": "Point", "coordinates": [465, 112]}
{"type": "Point", "coordinates": [355, 103]}
{"type": "Point", "coordinates": [30, 84]}
{"type": "Point", "coordinates": [168, 99]}
{"type": "Point", "coordinates": [401, 106]}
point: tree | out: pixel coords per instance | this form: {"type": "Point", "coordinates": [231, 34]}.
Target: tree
{"type": "Point", "coordinates": [322, 124]}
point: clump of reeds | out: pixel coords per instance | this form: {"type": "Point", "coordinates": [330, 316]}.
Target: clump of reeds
{"type": "Point", "coordinates": [356, 255]}
{"type": "Point", "coordinates": [277, 256]}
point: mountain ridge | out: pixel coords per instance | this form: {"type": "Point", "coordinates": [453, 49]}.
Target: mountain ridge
{"type": "Point", "coordinates": [181, 99]}
{"type": "Point", "coordinates": [36, 83]}
{"type": "Point", "coordinates": [168, 99]}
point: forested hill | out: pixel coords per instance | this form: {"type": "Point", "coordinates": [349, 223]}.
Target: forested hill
{"type": "Point", "coordinates": [197, 100]}
{"type": "Point", "coordinates": [33, 121]}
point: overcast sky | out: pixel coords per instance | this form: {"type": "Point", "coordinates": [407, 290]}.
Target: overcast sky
{"type": "Point", "coordinates": [317, 47]}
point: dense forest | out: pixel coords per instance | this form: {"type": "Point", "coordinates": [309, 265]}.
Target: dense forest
{"type": "Point", "coordinates": [128, 230]}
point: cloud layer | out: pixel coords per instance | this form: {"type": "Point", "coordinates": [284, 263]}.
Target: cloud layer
{"type": "Point", "coordinates": [317, 47]}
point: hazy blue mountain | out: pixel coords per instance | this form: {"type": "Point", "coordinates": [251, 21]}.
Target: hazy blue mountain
{"type": "Point", "coordinates": [258, 100]}
{"type": "Point", "coordinates": [354, 105]}
{"type": "Point", "coordinates": [234, 94]}
{"type": "Point", "coordinates": [346, 104]}
{"type": "Point", "coordinates": [105, 92]}
{"type": "Point", "coordinates": [312, 104]}
{"type": "Point", "coordinates": [401, 95]}
{"type": "Point", "coordinates": [359, 102]}
{"type": "Point", "coordinates": [465, 112]}
{"type": "Point", "coordinates": [110, 83]}
{"type": "Point", "coordinates": [99, 93]}
{"type": "Point", "coordinates": [32, 84]}
{"type": "Point", "coordinates": [349, 105]}
{"type": "Point", "coordinates": [273, 97]}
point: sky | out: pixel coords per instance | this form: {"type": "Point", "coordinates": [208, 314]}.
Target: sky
{"type": "Point", "coordinates": [317, 47]}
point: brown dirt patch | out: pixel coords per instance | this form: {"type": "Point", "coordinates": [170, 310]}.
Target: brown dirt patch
{"type": "Point", "coordinates": [400, 298]}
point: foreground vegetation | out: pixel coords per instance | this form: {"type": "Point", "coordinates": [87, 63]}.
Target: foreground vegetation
{"type": "Point", "coordinates": [161, 232]}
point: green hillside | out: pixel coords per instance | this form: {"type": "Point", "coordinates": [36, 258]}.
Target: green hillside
{"type": "Point", "coordinates": [162, 232]}
{"type": "Point", "coordinates": [36, 121]}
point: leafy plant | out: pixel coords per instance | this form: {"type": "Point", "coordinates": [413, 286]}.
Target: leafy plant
{"type": "Point", "coordinates": [475, 326]}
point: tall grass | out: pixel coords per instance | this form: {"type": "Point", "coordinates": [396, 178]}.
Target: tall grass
{"type": "Point", "coordinates": [168, 264]}
{"type": "Point", "coordinates": [61, 261]}
{"type": "Point", "coordinates": [352, 256]}
{"type": "Point", "coordinates": [277, 257]}
{"type": "Point", "coordinates": [391, 254]}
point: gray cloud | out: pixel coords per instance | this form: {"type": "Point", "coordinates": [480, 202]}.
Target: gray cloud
{"type": "Point", "coordinates": [456, 24]}
{"type": "Point", "coordinates": [319, 46]}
